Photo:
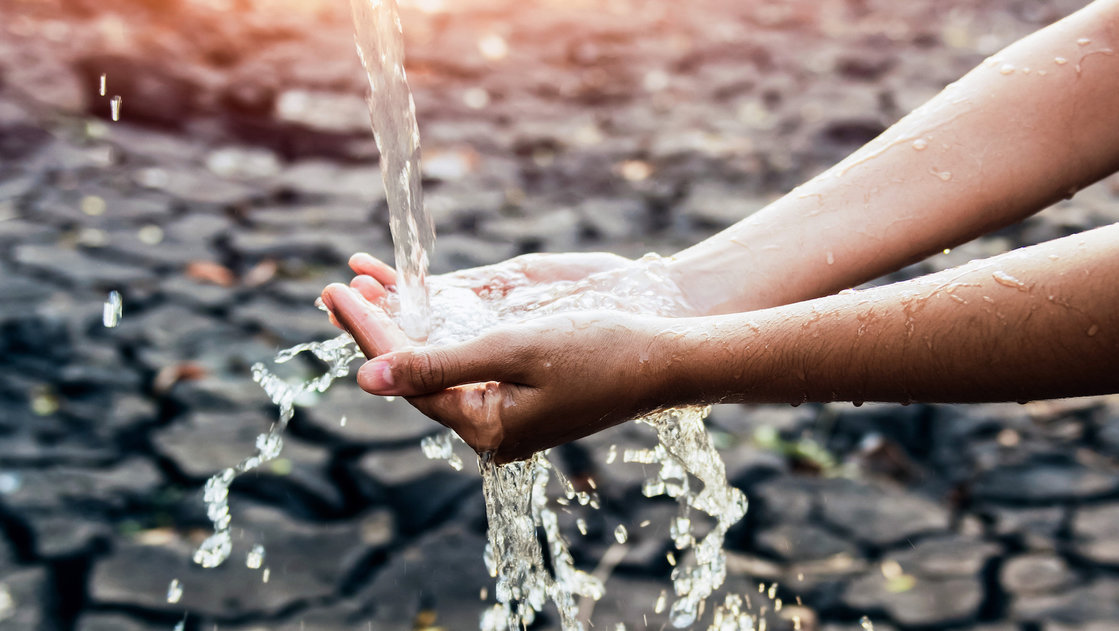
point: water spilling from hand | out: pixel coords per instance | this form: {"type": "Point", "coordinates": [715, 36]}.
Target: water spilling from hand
{"type": "Point", "coordinates": [521, 498]}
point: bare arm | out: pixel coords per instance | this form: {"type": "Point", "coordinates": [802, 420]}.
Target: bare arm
{"type": "Point", "coordinates": [1034, 323]}
{"type": "Point", "coordinates": [1040, 322]}
{"type": "Point", "coordinates": [1029, 126]}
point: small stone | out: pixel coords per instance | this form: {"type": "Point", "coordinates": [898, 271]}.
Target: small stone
{"type": "Point", "coordinates": [877, 515]}
{"type": "Point", "coordinates": [1094, 602]}
{"type": "Point", "coordinates": [370, 419]}
{"type": "Point", "coordinates": [1096, 532]}
{"type": "Point", "coordinates": [78, 269]}
{"type": "Point", "coordinates": [799, 542]}
{"type": "Point", "coordinates": [946, 556]}
{"type": "Point", "coordinates": [926, 602]}
{"type": "Point", "coordinates": [1042, 483]}
{"type": "Point", "coordinates": [716, 205]}
{"type": "Point", "coordinates": [21, 598]}
{"type": "Point", "coordinates": [1033, 574]}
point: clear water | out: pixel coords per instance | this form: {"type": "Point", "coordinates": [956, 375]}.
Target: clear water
{"type": "Point", "coordinates": [392, 111]}
{"type": "Point", "coordinates": [521, 497]}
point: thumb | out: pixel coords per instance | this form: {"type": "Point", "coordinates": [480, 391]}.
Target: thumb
{"type": "Point", "coordinates": [420, 371]}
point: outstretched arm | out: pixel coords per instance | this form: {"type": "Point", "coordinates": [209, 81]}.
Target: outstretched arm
{"type": "Point", "coordinates": [1032, 124]}
{"type": "Point", "coordinates": [1034, 323]}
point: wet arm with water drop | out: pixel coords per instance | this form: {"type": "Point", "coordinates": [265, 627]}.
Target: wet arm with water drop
{"type": "Point", "coordinates": [1030, 125]}
{"type": "Point", "coordinates": [1039, 322]}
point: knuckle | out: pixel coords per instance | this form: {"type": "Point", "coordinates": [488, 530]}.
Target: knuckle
{"type": "Point", "coordinates": [428, 369]}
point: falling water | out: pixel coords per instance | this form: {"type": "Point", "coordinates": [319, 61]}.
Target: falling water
{"type": "Point", "coordinates": [380, 46]}
{"type": "Point", "coordinates": [521, 498]}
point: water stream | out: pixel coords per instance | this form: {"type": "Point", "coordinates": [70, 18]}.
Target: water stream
{"type": "Point", "coordinates": [526, 553]}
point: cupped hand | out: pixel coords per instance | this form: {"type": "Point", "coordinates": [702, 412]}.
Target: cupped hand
{"type": "Point", "coordinates": [520, 388]}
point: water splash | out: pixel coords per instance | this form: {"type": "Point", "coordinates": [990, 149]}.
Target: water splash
{"type": "Point", "coordinates": [112, 310]}
{"type": "Point", "coordinates": [338, 354]}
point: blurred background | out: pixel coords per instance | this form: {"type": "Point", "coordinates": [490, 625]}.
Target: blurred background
{"type": "Point", "coordinates": [242, 174]}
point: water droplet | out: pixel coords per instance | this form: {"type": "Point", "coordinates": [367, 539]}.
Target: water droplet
{"type": "Point", "coordinates": [1092, 330]}
{"type": "Point", "coordinates": [947, 250]}
{"type": "Point", "coordinates": [943, 175]}
{"type": "Point", "coordinates": [101, 90]}
{"type": "Point", "coordinates": [174, 591]}
{"type": "Point", "coordinates": [180, 625]}
{"type": "Point", "coordinates": [662, 600]}
{"type": "Point", "coordinates": [1006, 69]}
{"type": "Point", "coordinates": [1006, 280]}
{"type": "Point", "coordinates": [266, 574]}
{"type": "Point", "coordinates": [920, 144]}
{"type": "Point", "coordinates": [114, 107]}
{"type": "Point", "coordinates": [255, 558]}
{"type": "Point", "coordinates": [866, 624]}
{"type": "Point", "coordinates": [111, 312]}
{"type": "Point", "coordinates": [483, 593]}
{"type": "Point", "coordinates": [1083, 41]}
{"type": "Point", "coordinates": [612, 455]}
{"type": "Point", "coordinates": [342, 421]}
{"type": "Point", "coordinates": [1026, 70]}
{"type": "Point", "coordinates": [831, 258]}
{"type": "Point", "coordinates": [621, 534]}
{"type": "Point", "coordinates": [582, 526]}
{"type": "Point", "coordinates": [1060, 61]}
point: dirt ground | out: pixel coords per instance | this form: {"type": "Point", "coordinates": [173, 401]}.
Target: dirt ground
{"type": "Point", "coordinates": [241, 175]}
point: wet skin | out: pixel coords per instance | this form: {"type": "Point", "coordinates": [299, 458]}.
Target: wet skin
{"type": "Point", "coordinates": [991, 149]}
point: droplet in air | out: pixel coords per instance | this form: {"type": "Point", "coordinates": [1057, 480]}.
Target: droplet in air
{"type": "Point", "coordinates": [612, 455]}
{"type": "Point", "coordinates": [1006, 69]}
{"type": "Point", "coordinates": [920, 144]}
{"type": "Point", "coordinates": [110, 314]}
{"type": "Point", "coordinates": [101, 90]}
{"type": "Point", "coordinates": [621, 534]}
{"type": "Point", "coordinates": [1083, 41]}
{"type": "Point", "coordinates": [267, 574]}
{"type": "Point", "coordinates": [114, 107]}
{"type": "Point", "coordinates": [255, 558]}
{"type": "Point", "coordinates": [661, 601]}
{"type": "Point", "coordinates": [866, 624]}
{"type": "Point", "coordinates": [1060, 61]}
{"type": "Point", "coordinates": [342, 421]}
{"type": "Point", "coordinates": [582, 526]}
{"type": "Point", "coordinates": [831, 258]}
{"type": "Point", "coordinates": [947, 250]}
{"type": "Point", "coordinates": [174, 591]}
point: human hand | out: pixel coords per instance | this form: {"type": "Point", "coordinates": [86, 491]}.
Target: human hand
{"type": "Point", "coordinates": [519, 388]}
{"type": "Point", "coordinates": [531, 282]}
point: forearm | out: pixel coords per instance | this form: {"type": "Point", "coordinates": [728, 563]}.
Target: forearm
{"type": "Point", "coordinates": [1040, 322]}
{"type": "Point", "coordinates": [1017, 133]}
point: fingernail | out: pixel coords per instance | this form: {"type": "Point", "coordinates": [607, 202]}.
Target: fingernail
{"type": "Point", "coordinates": [381, 374]}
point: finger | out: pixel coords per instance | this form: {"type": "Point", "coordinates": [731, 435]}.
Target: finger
{"type": "Point", "coordinates": [382, 272]}
{"type": "Point", "coordinates": [369, 288]}
{"type": "Point", "coordinates": [472, 411]}
{"type": "Point", "coordinates": [369, 325]}
{"type": "Point", "coordinates": [419, 371]}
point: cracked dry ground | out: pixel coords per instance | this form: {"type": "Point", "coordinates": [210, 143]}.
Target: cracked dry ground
{"type": "Point", "coordinates": [240, 178]}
